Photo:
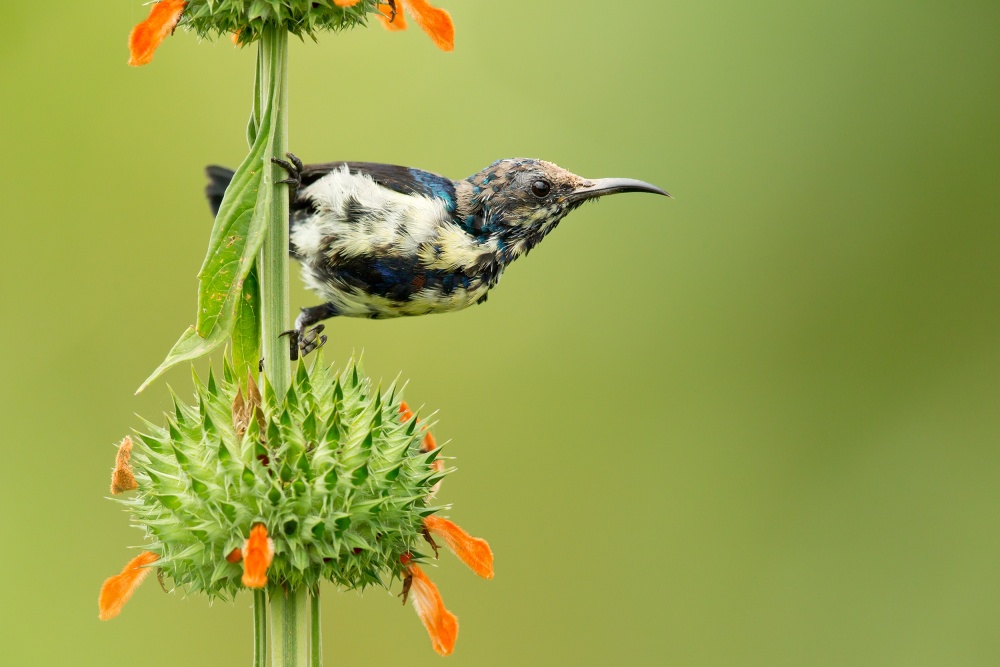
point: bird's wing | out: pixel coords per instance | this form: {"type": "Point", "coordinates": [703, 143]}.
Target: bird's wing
{"type": "Point", "coordinates": [405, 180]}
{"type": "Point", "coordinates": [218, 181]}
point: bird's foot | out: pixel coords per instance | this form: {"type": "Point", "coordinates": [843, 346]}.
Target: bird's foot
{"type": "Point", "coordinates": [294, 167]}
{"type": "Point", "coordinates": [303, 341]}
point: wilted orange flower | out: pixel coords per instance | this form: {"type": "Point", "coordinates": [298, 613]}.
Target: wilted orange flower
{"type": "Point", "coordinates": [435, 22]}
{"type": "Point", "coordinates": [117, 590]}
{"type": "Point", "coordinates": [122, 479]}
{"type": "Point", "coordinates": [146, 36]}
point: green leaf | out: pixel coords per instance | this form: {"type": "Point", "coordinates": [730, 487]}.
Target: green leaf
{"type": "Point", "coordinates": [238, 233]}
{"type": "Point", "coordinates": [236, 237]}
{"type": "Point", "coordinates": [255, 112]}
{"type": "Point", "coordinates": [246, 330]}
{"type": "Point", "coordinates": [189, 346]}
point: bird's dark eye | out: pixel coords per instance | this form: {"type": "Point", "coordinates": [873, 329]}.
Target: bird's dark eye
{"type": "Point", "coordinates": [540, 188]}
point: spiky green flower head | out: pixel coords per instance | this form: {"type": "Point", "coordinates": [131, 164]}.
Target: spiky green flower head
{"type": "Point", "coordinates": [246, 20]}
{"type": "Point", "coordinates": [332, 470]}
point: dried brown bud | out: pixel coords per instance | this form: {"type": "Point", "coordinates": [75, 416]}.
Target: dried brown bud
{"type": "Point", "coordinates": [241, 414]}
{"type": "Point", "coordinates": [245, 409]}
{"type": "Point", "coordinates": [122, 479]}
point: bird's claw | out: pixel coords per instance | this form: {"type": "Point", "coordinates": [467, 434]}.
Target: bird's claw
{"type": "Point", "coordinates": [303, 341]}
{"type": "Point", "coordinates": [293, 165]}
{"type": "Point", "coordinates": [312, 339]}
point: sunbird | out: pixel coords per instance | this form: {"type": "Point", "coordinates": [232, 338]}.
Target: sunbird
{"type": "Point", "coordinates": [380, 241]}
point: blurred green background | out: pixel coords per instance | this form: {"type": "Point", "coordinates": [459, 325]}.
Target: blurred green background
{"type": "Point", "coordinates": [756, 425]}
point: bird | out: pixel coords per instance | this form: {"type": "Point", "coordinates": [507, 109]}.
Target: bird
{"type": "Point", "coordinates": [383, 241]}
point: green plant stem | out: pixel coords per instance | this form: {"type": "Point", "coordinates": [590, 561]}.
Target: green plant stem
{"type": "Point", "coordinates": [273, 260]}
{"type": "Point", "coordinates": [290, 642]}
{"type": "Point", "coordinates": [259, 628]}
{"type": "Point", "coordinates": [316, 635]}
{"type": "Point", "coordinates": [290, 626]}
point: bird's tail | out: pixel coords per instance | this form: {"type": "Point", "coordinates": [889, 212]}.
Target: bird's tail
{"type": "Point", "coordinates": [218, 181]}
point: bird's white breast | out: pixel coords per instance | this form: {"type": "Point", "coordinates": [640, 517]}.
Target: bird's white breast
{"type": "Point", "coordinates": [358, 218]}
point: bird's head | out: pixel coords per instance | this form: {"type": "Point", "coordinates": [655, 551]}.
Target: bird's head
{"type": "Point", "coordinates": [520, 200]}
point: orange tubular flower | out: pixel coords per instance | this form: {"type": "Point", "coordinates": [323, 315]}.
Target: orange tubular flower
{"type": "Point", "coordinates": [472, 551]}
{"type": "Point", "coordinates": [258, 552]}
{"type": "Point", "coordinates": [117, 590]}
{"type": "Point", "coordinates": [148, 35]}
{"type": "Point", "coordinates": [441, 624]}
{"type": "Point", "coordinates": [435, 22]}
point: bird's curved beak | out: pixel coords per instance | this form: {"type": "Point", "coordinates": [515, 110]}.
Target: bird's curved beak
{"type": "Point", "coordinates": [611, 186]}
